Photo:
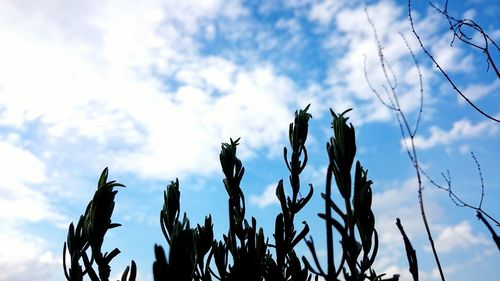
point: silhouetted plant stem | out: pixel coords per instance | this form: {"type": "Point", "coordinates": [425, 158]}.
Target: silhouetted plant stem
{"type": "Point", "coordinates": [332, 272]}
{"type": "Point", "coordinates": [187, 246]}
{"type": "Point", "coordinates": [245, 246]}
{"type": "Point", "coordinates": [356, 226]}
{"type": "Point", "coordinates": [285, 235]}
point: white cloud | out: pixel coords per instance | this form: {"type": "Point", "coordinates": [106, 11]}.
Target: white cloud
{"type": "Point", "coordinates": [462, 129]}
{"type": "Point", "coordinates": [459, 236]}
{"type": "Point", "coordinates": [324, 11]}
{"type": "Point", "coordinates": [190, 127]}
{"type": "Point", "coordinates": [118, 84]}
{"type": "Point", "coordinates": [21, 202]}
{"type": "Point", "coordinates": [452, 59]}
{"type": "Point", "coordinates": [475, 92]}
{"type": "Point", "coordinates": [291, 25]}
{"type": "Point", "coordinates": [470, 14]}
{"type": "Point", "coordinates": [125, 82]}
{"type": "Point", "coordinates": [130, 76]}
{"type": "Point", "coordinates": [267, 197]}
{"type": "Point", "coordinates": [354, 39]}
{"type": "Point", "coordinates": [347, 78]}
{"type": "Point", "coordinates": [128, 82]}
{"type": "Point", "coordinates": [23, 258]}
{"type": "Point", "coordinates": [399, 200]}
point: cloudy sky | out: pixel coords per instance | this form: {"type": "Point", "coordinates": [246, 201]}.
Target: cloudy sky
{"type": "Point", "coordinates": [150, 89]}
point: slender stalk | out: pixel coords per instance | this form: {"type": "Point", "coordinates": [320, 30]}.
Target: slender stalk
{"type": "Point", "coordinates": [329, 233]}
{"type": "Point", "coordinates": [422, 212]}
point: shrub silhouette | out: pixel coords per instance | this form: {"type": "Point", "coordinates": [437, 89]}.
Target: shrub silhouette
{"type": "Point", "coordinates": [245, 252]}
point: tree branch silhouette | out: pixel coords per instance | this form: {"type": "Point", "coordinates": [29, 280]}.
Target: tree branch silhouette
{"type": "Point", "coordinates": [455, 198]}
{"type": "Point", "coordinates": [460, 25]}
{"type": "Point", "coordinates": [480, 213]}
{"type": "Point", "coordinates": [457, 27]}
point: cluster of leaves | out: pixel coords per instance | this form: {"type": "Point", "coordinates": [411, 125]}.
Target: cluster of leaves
{"type": "Point", "coordinates": [357, 220]}
{"type": "Point", "coordinates": [89, 237]}
{"type": "Point", "coordinates": [244, 252]}
{"type": "Point", "coordinates": [193, 249]}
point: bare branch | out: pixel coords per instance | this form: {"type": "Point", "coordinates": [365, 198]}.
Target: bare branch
{"type": "Point", "coordinates": [458, 25]}
{"type": "Point", "coordinates": [461, 36]}
{"type": "Point", "coordinates": [457, 200]}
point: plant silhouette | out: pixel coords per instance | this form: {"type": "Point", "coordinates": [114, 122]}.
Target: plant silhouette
{"type": "Point", "coordinates": [245, 252]}
{"type": "Point", "coordinates": [89, 236]}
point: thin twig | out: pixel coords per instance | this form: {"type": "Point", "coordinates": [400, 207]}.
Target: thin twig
{"type": "Point", "coordinates": [459, 202]}
{"type": "Point", "coordinates": [481, 178]}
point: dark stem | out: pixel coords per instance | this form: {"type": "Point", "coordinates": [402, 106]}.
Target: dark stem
{"type": "Point", "coordinates": [329, 233]}
{"type": "Point", "coordinates": [493, 233]}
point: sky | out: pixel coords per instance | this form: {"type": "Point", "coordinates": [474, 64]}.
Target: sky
{"type": "Point", "coordinates": [151, 89]}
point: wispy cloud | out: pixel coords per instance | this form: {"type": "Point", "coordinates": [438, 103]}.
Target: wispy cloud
{"type": "Point", "coordinates": [401, 198]}
{"type": "Point", "coordinates": [151, 89]}
{"type": "Point", "coordinates": [477, 91]}
{"type": "Point", "coordinates": [267, 197]}
{"type": "Point", "coordinates": [457, 237]}
{"type": "Point", "coordinates": [21, 202]}
{"type": "Point", "coordinates": [24, 255]}
{"type": "Point", "coordinates": [461, 130]}
{"type": "Point", "coordinates": [134, 83]}
{"type": "Point", "coordinates": [346, 77]}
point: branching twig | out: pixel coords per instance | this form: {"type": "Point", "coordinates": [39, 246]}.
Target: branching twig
{"type": "Point", "coordinates": [460, 35]}
{"type": "Point", "coordinates": [457, 25]}
{"type": "Point", "coordinates": [455, 198]}
{"type": "Point", "coordinates": [405, 128]}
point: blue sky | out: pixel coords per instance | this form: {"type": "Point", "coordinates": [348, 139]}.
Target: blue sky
{"type": "Point", "coordinates": [150, 89]}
